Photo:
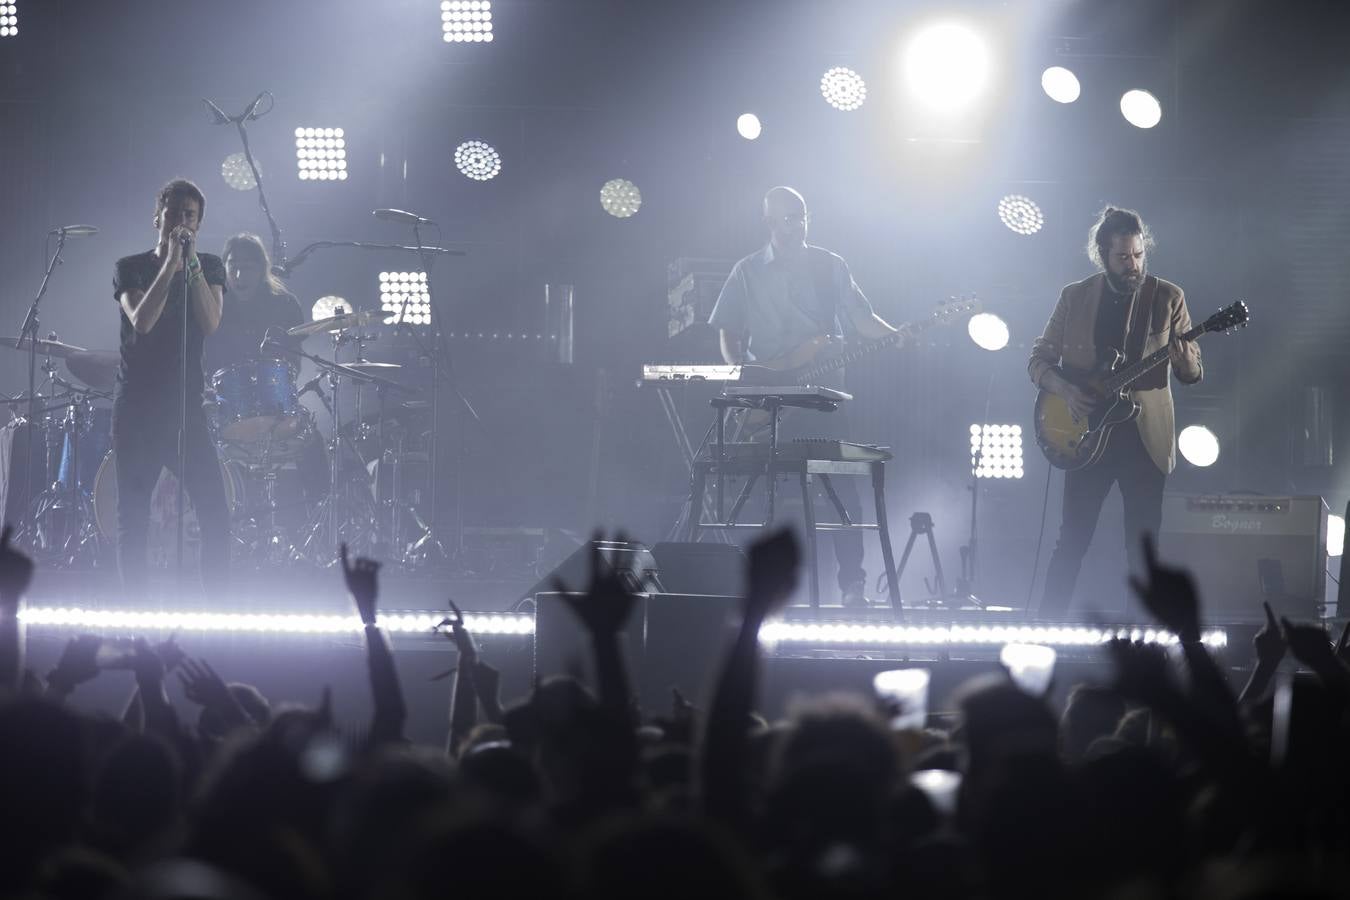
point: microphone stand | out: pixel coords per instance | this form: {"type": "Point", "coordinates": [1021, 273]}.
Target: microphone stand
{"type": "Point", "coordinates": [239, 122]}
{"type": "Point", "coordinates": [182, 409]}
{"type": "Point", "coordinates": [29, 330]}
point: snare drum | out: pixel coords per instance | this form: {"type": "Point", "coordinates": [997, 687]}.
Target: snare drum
{"type": "Point", "coordinates": [256, 402]}
{"type": "Point", "coordinates": [162, 535]}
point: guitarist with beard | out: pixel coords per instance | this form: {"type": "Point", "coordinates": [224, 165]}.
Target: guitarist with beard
{"type": "Point", "coordinates": [1121, 308]}
{"type": "Point", "coordinates": [780, 298]}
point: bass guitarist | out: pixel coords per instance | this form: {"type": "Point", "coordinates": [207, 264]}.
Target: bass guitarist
{"type": "Point", "coordinates": [786, 297]}
{"type": "Point", "coordinates": [1121, 308]}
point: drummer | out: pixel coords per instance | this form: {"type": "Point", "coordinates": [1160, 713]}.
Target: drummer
{"type": "Point", "coordinates": [256, 301]}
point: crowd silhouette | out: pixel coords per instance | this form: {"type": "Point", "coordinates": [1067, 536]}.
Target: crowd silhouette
{"type": "Point", "coordinates": [1161, 781]}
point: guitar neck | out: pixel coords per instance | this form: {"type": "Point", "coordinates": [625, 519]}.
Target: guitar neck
{"type": "Point", "coordinates": [1132, 373]}
{"type": "Point", "coordinates": [838, 362]}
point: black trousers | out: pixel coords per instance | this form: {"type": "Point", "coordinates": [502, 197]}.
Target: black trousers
{"type": "Point", "coordinates": [1124, 462]}
{"type": "Point", "coordinates": [145, 440]}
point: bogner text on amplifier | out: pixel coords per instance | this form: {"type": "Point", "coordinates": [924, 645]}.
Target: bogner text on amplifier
{"type": "Point", "coordinates": [1243, 549]}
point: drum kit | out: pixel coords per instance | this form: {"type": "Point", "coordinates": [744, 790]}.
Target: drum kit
{"type": "Point", "coordinates": [294, 495]}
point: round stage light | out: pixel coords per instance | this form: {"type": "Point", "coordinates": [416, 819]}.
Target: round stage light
{"type": "Point", "coordinates": [843, 88]}
{"type": "Point", "coordinates": [1335, 535]}
{"type": "Point", "coordinates": [946, 66]}
{"type": "Point", "coordinates": [234, 169]}
{"type": "Point", "coordinates": [1020, 214]}
{"type": "Point", "coordinates": [988, 331]}
{"type": "Point", "coordinates": [1141, 109]}
{"type": "Point", "coordinates": [477, 160]}
{"type": "Point", "coordinates": [620, 197]}
{"type": "Point", "coordinates": [1198, 445]}
{"type": "Point", "coordinates": [748, 126]}
{"type": "Point", "coordinates": [327, 307]}
{"type": "Point", "coordinates": [1060, 84]}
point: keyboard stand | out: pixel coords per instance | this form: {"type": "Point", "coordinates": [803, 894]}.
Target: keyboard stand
{"type": "Point", "coordinates": [806, 471]}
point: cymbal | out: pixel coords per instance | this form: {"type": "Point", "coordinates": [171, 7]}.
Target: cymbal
{"type": "Point", "coordinates": [339, 322]}
{"type": "Point", "coordinates": [96, 368]}
{"type": "Point", "coordinates": [375, 367]}
{"type": "Point", "coordinates": [44, 347]}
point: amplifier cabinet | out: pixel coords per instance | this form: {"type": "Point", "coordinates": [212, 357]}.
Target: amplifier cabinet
{"type": "Point", "coordinates": [1243, 549]}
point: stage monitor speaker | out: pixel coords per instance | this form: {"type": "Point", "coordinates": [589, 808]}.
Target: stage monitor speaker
{"type": "Point", "coordinates": [672, 640]}
{"type": "Point", "coordinates": [634, 562]}
{"type": "Point", "coordinates": [701, 568]}
{"type": "Point", "coordinates": [1244, 549]}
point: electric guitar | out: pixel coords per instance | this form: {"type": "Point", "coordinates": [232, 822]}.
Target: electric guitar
{"type": "Point", "coordinates": [1074, 442]}
{"type": "Point", "coordinates": [814, 359]}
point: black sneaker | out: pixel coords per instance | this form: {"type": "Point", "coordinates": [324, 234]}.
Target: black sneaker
{"type": "Point", "coordinates": [855, 596]}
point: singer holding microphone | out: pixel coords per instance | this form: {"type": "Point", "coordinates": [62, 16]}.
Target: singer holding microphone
{"type": "Point", "coordinates": [149, 288]}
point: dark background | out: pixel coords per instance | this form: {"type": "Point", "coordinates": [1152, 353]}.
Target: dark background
{"type": "Point", "coordinates": [1244, 184]}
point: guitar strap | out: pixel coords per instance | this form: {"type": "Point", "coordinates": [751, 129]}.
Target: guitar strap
{"type": "Point", "coordinates": [1139, 324]}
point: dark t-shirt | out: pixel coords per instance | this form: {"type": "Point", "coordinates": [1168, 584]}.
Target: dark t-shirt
{"type": "Point", "coordinates": [243, 323]}
{"type": "Point", "coordinates": [1109, 329]}
{"type": "Point", "coordinates": [150, 362]}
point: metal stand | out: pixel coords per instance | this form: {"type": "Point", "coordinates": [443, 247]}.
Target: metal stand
{"type": "Point", "coordinates": [922, 523]}
{"type": "Point", "coordinates": [29, 331]}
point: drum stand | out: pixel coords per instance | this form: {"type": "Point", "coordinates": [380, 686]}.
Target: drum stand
{"type": "Point", "coordinates": [61, 519]}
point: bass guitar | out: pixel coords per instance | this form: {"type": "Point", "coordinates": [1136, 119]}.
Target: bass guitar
{"type": "Point", "coordinates": [821, 356]}
{"type": "Point", "coordinates": [1075, 442]}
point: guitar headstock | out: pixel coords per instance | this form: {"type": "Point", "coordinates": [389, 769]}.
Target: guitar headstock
{"type": "Point", "coordinates": [1232, 316]}
{"type": "Point", "coordinates": [953, 307]}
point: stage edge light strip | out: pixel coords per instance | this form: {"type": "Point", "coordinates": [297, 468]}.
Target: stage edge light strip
{"type": "Point", "coordinates": [968, 635]}
{"type": "Point", "coordinates": [396, 622]}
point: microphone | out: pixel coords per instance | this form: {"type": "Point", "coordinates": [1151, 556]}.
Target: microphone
{"type": "Point", "coordinates": [400, 215]}
{"type": "Point", "coordinates": [217, 114]}
{"type": "Point", "coordinates": [185, 238]}
{"type": "Point", "coordinates": [74, 230]}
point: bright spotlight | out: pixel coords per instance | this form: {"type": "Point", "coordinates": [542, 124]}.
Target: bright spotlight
{"type": "Point", "coordinates": [1141, 109]}
{"type": "Point", "coordinates": [748, 126]}
{"type": "Point", "coordinates": [321, 154]}
{"type": "Point", "coordinates": [996, 451]}
{"type": "Point", "coordinates": [400, 289]}
{"type": "Point", "coordinates": [234, 169]}
{"type": "Point", "coordinates": [1335, 535]}
{"type": "Point", "coordinates": [620, 197]}
{"type": "Point", "coordinates": [1060, 84]}
{"type": "Point", "coordinates": [9, 18]}
{"type": "Point", "coordinates": [843, 88]}
{"type": "Point", "coordinates": [477, 160]}
{"type": "Point", "coordinates": [988, 331]}
{"type": "Point", "coordinates": [466, 21]}
{"type": "Point", "coordinates": [1198, 445]}
{"type": "Point", "coordinates": [327, 307]}
{"type": "Point", "coordinates": [946, 66]}
{"type": "Point", "coordinates": [1021, 214]}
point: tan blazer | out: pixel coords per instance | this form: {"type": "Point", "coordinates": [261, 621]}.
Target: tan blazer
{"type": "Point", "coordinates": [1068, 341]}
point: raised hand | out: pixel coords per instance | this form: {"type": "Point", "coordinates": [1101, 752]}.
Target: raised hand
{"type": "Point", "coordinates": [170, 653]}
{"type": "Point", "coordinates": [460, 635]}
{"type": "Point", "coordinates": [775, 561]}
{"type": "Point", "coordinates": [1169, 595]}
{"type": "Point", "coordinates": [1269, 643]}
{"type": "Point", "coordinates": [78, 663]}
{"type": "Point", "coordinates": [1310, 644]}
{"type": "Point", "coordinates": [16, 570]}
{"type": "Point", "coordinates": [362, 584]}
{"type": "Point", "coordinates": [607, 603]}
{"type": "Point", "coordinates": [202, 685]}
